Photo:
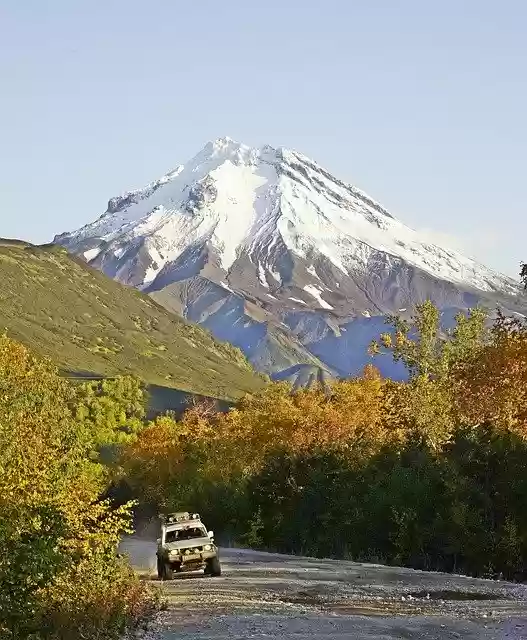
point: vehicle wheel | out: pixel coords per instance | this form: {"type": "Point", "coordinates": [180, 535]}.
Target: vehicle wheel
{"type": "Point", "coordinates": [213, 567]}
{"type": "Point", "coordinates": [168, 572]}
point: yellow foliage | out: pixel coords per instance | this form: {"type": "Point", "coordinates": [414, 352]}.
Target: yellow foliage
{"type": "Point", "coordinates": [420, 408]}
{"type": "Point", "coordinates": [353, 416]}
{"type": "Point", "coordinates": [492, 386]}
{"type": "Point", "coordinates": [54, 530]}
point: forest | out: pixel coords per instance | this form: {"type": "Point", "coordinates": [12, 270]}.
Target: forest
{"type": "Point", "coordinates": [427, 473]}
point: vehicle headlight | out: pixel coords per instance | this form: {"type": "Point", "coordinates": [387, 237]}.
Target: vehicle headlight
{"type": "Point", "coordinates": [174, 552]}
{"type": "Point", "coordinates": [207, 547]}
{"type": "Point", "coordinates": [187, 552]}
{"type": "Point", "coordinates": [196, 550]}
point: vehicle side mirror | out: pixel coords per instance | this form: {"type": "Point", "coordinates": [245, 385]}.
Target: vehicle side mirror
{"type": "Point", "coordinates": [210, 534]}
{"type": "Point", "coordinates": [158, 541]}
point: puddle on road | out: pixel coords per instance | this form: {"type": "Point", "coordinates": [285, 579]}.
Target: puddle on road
{"type": "Point", "coordinates": [413, 603]}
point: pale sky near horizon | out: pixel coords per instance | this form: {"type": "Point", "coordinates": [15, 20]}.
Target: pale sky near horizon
{"type": "Point", "coordinates": [421, 104]}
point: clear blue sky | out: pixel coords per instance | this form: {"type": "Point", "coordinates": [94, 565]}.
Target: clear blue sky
{"type": "Point", "coordinates": [422, 104]}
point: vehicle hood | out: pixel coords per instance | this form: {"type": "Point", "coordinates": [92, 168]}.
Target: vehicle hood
{"type": "Point", "coordinates": [188, 544]}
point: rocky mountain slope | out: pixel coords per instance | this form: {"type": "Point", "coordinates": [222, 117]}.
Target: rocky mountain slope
{"type": "Point", "coordinates": [89, 325]}
{"type": "Point", "coordinates": [272, 253]}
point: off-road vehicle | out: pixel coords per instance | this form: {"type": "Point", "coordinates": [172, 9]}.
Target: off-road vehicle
{"type": "Point", "coordinates": [185, 545]}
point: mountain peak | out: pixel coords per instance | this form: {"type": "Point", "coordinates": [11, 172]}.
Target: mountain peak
{"type": "Point", "coordinates": [224, 141]}
{"type": "Point", "coordinates": [225, 146]}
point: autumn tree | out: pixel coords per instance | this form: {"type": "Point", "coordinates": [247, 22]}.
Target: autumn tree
{"type": "Point", "coordinates": [424, 405]}
{"type": "Point", "coordinates": [278, 417]}
{"type": "Point", "coordinates": [153, 459]}
{"type": "Point", "coordinates": [425, 349]}
{"type": "Point", "coordinates": [54, 528]}
{"type": "Point", "coordinates": [491, 387]}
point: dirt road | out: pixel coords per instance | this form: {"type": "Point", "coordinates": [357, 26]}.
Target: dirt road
{"type": "Point", "coordinates": [263, 595]}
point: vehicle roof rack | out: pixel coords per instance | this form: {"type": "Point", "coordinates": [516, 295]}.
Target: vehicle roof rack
{"type": "Point", "coordinates": [178, 516]}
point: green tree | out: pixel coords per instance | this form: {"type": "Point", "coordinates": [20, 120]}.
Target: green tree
{"type": "Point", "coordinates": [112, 409]}
{"type": "Point", "coordinates": [424, 348]}
{"type": "Point", "coordinates": [425, 406]}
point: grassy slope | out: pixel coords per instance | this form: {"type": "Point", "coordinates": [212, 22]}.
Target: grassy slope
{"type": "Point", "coordinates": [86, 322]}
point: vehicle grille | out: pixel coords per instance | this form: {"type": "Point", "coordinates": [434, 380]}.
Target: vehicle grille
{"type": "Point", "coordinates": [191, 550]}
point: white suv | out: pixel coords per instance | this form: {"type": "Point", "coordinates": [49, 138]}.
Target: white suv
{"type": "Point", "coordinates": [185, 545]}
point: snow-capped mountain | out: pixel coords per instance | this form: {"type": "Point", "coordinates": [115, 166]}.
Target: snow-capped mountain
{"type": "Point", "coordinates": [277, 256]}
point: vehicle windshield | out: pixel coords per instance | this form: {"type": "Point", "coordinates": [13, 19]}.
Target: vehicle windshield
{"type": "Point", "coordinates": [186, 533]}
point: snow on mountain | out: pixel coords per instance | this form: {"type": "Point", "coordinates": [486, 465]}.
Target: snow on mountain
{"type": "Point", "coordinates": [283, 253]}
{"type": "Point", "coordinates": [242, 199]}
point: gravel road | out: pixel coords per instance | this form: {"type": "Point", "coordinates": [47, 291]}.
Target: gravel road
{"type": "Point", "coordinates": [263, 595]}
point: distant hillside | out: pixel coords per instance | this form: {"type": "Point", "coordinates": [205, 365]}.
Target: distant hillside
{"type": "Point", "coordinates": [87, 323]}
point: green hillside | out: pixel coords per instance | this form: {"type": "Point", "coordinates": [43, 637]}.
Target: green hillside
{"type": "Point", "coordinates": [87, 323]}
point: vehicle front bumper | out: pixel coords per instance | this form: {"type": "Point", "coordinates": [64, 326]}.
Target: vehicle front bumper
{"type": "Point", "coordinates": [194, 559]}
